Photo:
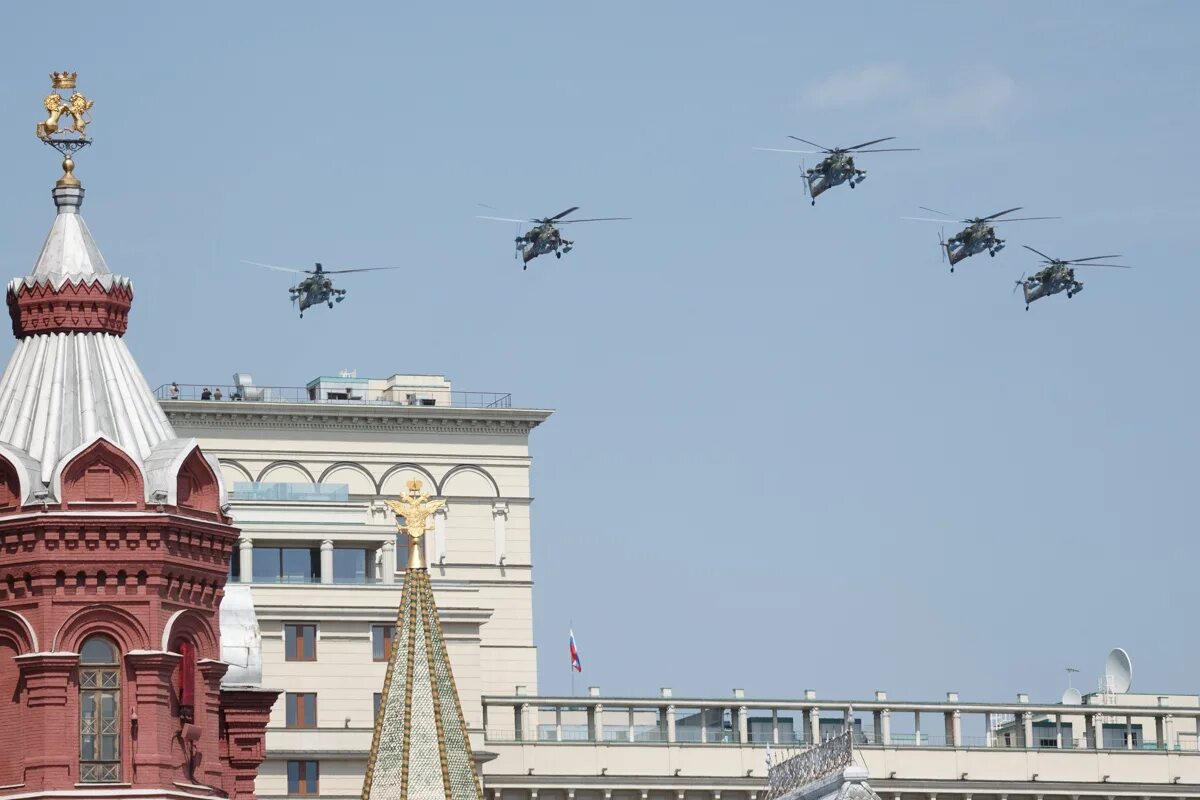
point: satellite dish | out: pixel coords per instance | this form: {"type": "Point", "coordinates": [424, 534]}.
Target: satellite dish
{"type": "Point", "coordinates": [1118, 671]}
{"type": "Point", "coordinates": [1072, 697]}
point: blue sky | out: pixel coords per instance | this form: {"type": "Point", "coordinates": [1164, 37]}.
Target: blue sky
{"type": "Point", "coordinates": [790, 450]}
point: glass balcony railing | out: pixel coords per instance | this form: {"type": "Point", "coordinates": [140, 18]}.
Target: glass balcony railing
{"type": "Point", "coordinates": [297, 492]}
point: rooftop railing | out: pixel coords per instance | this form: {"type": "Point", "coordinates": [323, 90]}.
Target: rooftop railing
{"type": "Point", "coordinates": [353, 396]}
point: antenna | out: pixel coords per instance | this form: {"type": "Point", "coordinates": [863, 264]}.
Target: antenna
{"type": "Point", "coordinates": [1070, 671]}
{"type": "Point", "coordinates": [1118, 671]}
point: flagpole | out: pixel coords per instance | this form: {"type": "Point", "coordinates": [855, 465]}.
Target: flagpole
{"type": "Point", "coordinates": [570, 663]}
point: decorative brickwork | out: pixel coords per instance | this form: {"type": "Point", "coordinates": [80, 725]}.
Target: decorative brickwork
{"type": "Point", "coordinates": [82, 307]}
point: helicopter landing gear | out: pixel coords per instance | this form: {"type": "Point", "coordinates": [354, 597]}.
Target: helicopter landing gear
{"type": "Point", "coordinates": [557, 254]}
{"type": "Point", "coordinates": [814, 202]}
{"type": "Point", "coordinates": [1070, 295]}
{"type": "Point", "coordinates": [331, 304]}
{"type": "Point", "coordinates": [851, 184]}
{"type": "Point", "coordinates": [952, 270]}
{"type": "Point", "coordinates": [992, 253]}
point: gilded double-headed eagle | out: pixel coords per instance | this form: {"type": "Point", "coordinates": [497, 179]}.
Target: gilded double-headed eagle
{"type": "Point", "coordinates": [76, 108]}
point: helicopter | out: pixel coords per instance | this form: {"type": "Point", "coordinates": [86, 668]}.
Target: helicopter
{"type": "Point", "coordinates": [979, 235]}
{"type": "Point", "coordinates": [1057, 276]}
{"type": "Point", "coordinates": [317, 287]}
{"type": "Point", "coordinates": [838, 165]}
{"type": "Point", "coordinates": [545, 237]}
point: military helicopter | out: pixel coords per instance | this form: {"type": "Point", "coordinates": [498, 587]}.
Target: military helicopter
{"type": "Point", "coordinates": [317, 288]}
{"type": "Point", "coordinates": [545, 237]}
{"type": "Point", "coordinates": [979, 235]}
{"type": "Point", "coordinates": [838, 165]}
{"type": "Point", "coordinates": [1057, 276]}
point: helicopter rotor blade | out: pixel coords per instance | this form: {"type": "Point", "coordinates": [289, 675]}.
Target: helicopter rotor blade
{"type": "Point", "coordinates": [1019, 283]}
{"type": "Point", "coordinates": [505, 219]}
{"type": "Point", "coordinates": [1019, 219]}
{"type": "Point", "coordinates": [277, 269]}
{"type": "Point", "coordinates": [1039, 252]}
{"type": "Point", "coordinates": [1118, 266]}
{"type": "Point", "coordinates": [363, 269]}
{"type": "Point", "coordinates": [813, 144]}
{"type": "Point", "coordinates": [935, 211]}
{"type": "Point", "coordinates": [1000, 214]}
{"type": "Point", "coordinates": [887, 150]}
{"type": "Point", "coordinates": [593, 219]}
{"type": "Point", "coordinates": [782, 150]}
{"type": "Point", "coordinates": [562, 214]}
{"type": "Point", "coordinates": [931, 219]}
{"type": "Point", "coordinates": [868, 144]}
{"type": "Point", "coordinates": [1089, 258]}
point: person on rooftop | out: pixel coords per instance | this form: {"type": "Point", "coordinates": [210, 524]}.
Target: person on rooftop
{"type": "Point", "coordinates": [174, 392]}
{"type": "Point", "coordinates": [217, 393]}
{"type": "Point", "coordinates": [206, 394]}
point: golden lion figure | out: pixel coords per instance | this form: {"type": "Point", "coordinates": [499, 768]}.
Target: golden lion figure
{"type": "Point", "coordinates": [76, 108]}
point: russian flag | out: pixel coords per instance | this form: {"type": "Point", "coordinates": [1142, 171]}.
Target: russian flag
{"type": "Point", "coordinates": [576, 664]}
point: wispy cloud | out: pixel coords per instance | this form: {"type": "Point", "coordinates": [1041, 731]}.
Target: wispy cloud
{"type": "Point", "coordinates": [973, 98]}
{"type": "Point", "coordinates": [859, 87]}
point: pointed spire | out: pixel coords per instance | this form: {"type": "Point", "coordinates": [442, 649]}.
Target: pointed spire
{"type": "Point", "coordinates": [421, 749]}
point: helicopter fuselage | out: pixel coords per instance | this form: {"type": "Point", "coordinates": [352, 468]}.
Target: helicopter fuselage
{"type": "Point", "coordinates": [1049, 281]}
{"type": "Point", "coordinates": [314, 290]}
{"type": "Point", "coordinates": [834, 170]}
{"type": "Point", "coordinates": [972, 240]}
{"type": "Point", "coordinates": [543, 239]}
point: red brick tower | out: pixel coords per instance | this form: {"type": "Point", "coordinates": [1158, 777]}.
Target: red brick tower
{"type": "Point", "coordinates": [114, 550]}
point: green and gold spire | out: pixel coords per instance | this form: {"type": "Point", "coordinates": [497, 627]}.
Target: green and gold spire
{"type": "Point", "coordinates": [421, 750]}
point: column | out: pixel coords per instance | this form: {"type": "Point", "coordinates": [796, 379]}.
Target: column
{"type": "Point", "coordinates": [630, 731]}
{"type": "Point", "coordinates": [558, 723]}
{"type": "Point", "coordinates": [1128, 732]}
{"type": "Point", "coordinates": [246, 559]}
{"type": "Point", "coordinates": [956, 728]}
{"type": "Point", "coordinates": [917, 728]}
{"type": "Point", "coordinates": [439, 536]}
{"type": "Point", "coordinates": [1169, 731]}
{"type": "Point", "coordinates": [1159, 733]}
{"type": "Point", "coordinates": [812, 733]}
{"type": "Point", "coordinates": [208, 768]}
{"type": "Point", "coordinates": [885, 726]}
{"type": "Point", "coordinates": [1058, 740]}
{"type": "Point", "coordinates": [987, 730]}
{"type": "Point", "coordinates": [500, 521]}
{"type": "Point", "coordinates": [327, 561]}
{"type": "Point", "coordinates": [152, 673]}
{"type": "Point", "coordinates": [596, 722]}
{"type": "Point", "coordinates": [48, 679]}
{"type": "Point", "coordinates": [1027, 728]}
{"type": "Point", "coordinates": [245, 712]}
{"type": "Point", "coordinates": [527, 723]}
{"type": "Point", "coordinates": [775, 726]}
{"type": "Point", "coordinates": [671, 724]}
{"type": "Point", "coordinates": [388, 567]}
{"type": "Point", "coordinates": [743, 725]}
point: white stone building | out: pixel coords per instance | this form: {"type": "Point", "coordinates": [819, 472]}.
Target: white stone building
{"type": "Point", "coordinates": [307, 467]}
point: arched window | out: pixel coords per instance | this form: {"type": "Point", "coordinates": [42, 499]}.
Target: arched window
{"type": "Point", "coordinates": [99, 711]}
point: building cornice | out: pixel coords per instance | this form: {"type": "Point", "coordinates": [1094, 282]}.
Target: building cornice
{"type": "Point", "coordinates": [207, 414]}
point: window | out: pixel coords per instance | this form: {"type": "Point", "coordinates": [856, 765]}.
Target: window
{"type": "Point", "coordinates": [287, 565]}
{"type": "Point", "coordinates": [352, 565]}
{"type": "Point", "coordinates": [376, 701]}
{"type": "Point", "coordinates": [301, 710]}
{"type": "Point", "coordinates": [235, 566]}
{"type": "Point", "coordinates": [99, 712]}
{"type": "Point", "coordinates": [303, 778]}
{"type": "Point", "coordinates": [381, 642]}
{"type": "Point", "coordinates": [1116, 737]}
{"type": "Point", "coordinates": [299, 642]}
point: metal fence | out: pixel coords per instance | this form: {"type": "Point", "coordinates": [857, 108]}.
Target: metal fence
{"type": "Point", "coordinates": [220, 393]}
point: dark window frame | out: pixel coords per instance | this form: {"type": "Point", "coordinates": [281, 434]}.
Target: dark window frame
{"type": "Point", "coordinates": [297, 706]}
{"type": "Point", "coordinates": [382, 637]}
{"type": "Point", "coordinates": [98, 681]}
{"type": "Point", "coordinates": [299, 772]}
{"type": "Point", "coordinates": [294, 640]}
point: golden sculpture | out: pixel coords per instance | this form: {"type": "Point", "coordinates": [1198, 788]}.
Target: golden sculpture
{"type": "Point", "coordinates": [77, 108]}
{"type": "Point", "coordinates": [416, 509]}
{"type": "Point", "coordinates": [51, 131]}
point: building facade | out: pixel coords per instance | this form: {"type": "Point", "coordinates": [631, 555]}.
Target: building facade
{"type": "Point", "coordinates": [114, 550]}
{"type": "Point", "coordinates": [308, 470]}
